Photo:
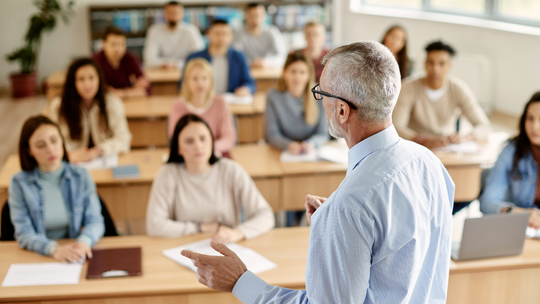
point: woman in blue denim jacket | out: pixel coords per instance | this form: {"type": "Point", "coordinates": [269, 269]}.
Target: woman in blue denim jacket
{"type": "Point", "coordinates": [512, 185]}
{"type": "Point", "coordinates": [50, 199]}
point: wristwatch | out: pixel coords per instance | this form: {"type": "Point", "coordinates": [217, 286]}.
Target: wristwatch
{"type": "Point", "coordinates": [507, 209]}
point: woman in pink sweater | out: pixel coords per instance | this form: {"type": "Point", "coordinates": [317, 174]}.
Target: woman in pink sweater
{"type": "Point", "coordinates": [197, 97]}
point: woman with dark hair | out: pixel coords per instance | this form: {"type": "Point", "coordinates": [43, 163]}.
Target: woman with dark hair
{"type": "Point", "coordinates": [50, 199]}
{"type": "Point", "coordinates": [92, 121]}
{"type": "Point", "coordinates": [295, 121]}
{"type": "Point", "coordinates": [513, 183]}
{"type": "Point", "coordinates": [395, 39]}
{"type": "Point", "coordinates": [198, 192]}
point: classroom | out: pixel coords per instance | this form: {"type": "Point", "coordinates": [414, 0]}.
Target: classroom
{"type": "Point", "coordinates": [279, 151]}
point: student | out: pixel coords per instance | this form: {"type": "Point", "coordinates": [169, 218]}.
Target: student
{"type": "Point", "coordinates": [168, 44]}
{"type": "Point", "coordinates": [513, 183]}
{"type": "Point", "coordinates": [395, 39]}
{"type": "Point", "coordinates": [315, 35]}
{"type": "Point", "coordinates": [295, 121]}
{"type": "Point", "coordinates": [51, 199]}
{"type": "Point", "coordinates": [231, 72]}
{"type": "Point", "coordinates": [121, 69]}
{"type": "Point", "coordinates": [198, 192]}
{"type": "Point", "coordinates": [197, 96]}
{"type": "Point", "coordinates": [427, 109]}
{"type": "Point", "coordinates": [262, 44]}
{"type": "Point", "coordinates": [92, 121]}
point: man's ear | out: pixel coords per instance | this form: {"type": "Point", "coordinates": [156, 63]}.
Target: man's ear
{"type": "Point", "coordinates": [344, 111]}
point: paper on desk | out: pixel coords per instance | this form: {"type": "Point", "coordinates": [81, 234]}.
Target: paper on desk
{"type": "Point", "coordinates": [42, 274]}
{"type": "Point", "coordinates": [468, 147]}
{"type": "Point", "coordinates": [334, 154]}
{"type": "Point", "coordinates": [253, 260]}
{"type": "Point", "coordinates": [230, 98]}
{"type": "Point", "coordinates": [103, 162]}
{"type": "Point", "coordinates": [287, 157]}
{"type": "Point", "coordinates": [532, 233]}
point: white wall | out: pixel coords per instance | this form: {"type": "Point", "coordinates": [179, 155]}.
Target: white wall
{"type": "Point", "coordinates": [515, 57]}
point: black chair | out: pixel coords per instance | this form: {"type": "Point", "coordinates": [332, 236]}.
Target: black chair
{"type": "Point", "coordinates": [7, 232]}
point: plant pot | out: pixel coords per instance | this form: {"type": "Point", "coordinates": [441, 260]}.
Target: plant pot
{"type": "Point", "coordinates": [23, 85]}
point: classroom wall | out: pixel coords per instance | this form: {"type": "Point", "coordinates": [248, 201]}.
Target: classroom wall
{"type": "Point", "coordinates": [515, 57]}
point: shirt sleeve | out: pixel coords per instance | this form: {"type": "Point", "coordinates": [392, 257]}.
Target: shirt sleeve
{"type": "Point", "coordinates": [93, 222]}
{"type": "Point", "coordinates": [322, 135]}
{"type": "Point", "coordinates": [251, 289]}
{"type": "Point", "coordinates": [226, 136]}
{"type": "Point", "coordinates": [278, 58]}
{"type": "Point", "coordinates": [120, 141]}
{"type": "Point", "coordinates": [151, 49]}
{"type": "Point", "coordinates": [259, 215]}
{"type": "Point", "coordinates": [402, 112]}
{"type": "Point", "coordinates": [274, 136]}
{"type": "Point", "coordinates": [498, 183]}
{"type": "Point", "coordinates": [473, 112]}
{"type": "Point", "coordinates": [247, 80]}
{"type": "Point", "coordinates": [160, 208]}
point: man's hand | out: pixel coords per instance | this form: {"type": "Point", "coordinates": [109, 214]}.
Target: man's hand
{"type": "Point", "coordinates": [242, 91]}
{"type": "Point", "coordinates": [312, 203]}
{"type": "Point", "coordinates": [217, 272]}
{"type": "Point", "coordinates": [141, 83]}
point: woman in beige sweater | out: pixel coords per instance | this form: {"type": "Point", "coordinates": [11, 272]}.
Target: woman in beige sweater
{"type": "Point", "coordinates": [198, 192]}
{"type": "Point", "coordinates": [92, 122]}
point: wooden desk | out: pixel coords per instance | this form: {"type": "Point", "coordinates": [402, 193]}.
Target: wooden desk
{"type": "Point", "coordinates": [147, 119]}
{"type": "Point", "coordinates": [164, 82]}
{"type": "Point", "coordinates": [163, 281]}
{"type": "Point", "coordinates": [266, 78]}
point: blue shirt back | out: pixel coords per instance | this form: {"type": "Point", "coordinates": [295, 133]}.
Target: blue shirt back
{"type": "Point", "coordinates": [383, 236]}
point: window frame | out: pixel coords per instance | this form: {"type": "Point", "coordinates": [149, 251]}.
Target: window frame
{"type": "Point", "coordinates": [491, 12]}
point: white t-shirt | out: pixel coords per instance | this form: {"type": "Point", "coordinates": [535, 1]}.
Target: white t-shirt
{"type": "Point", "coordinates": [220, 65]}
{"type": "Point", "coordinates": [435, 95]}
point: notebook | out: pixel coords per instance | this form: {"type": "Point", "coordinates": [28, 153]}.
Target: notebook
{"type": "Point", "coordinates": [129, 171]}
{"type": "Point", "coordinates": [120, 262]}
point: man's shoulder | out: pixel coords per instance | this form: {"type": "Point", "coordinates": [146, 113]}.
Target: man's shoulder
{"type": "Point", "coordinates": [156, 28]}
{"type": "Point", "coordinates": [191, 28]}
{"type": "Point", "coordinates": [458, 85]}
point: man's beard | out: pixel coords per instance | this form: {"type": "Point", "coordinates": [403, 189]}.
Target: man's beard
{"type": "Point", "coordinates": [172, 23]}
{"type": "Point", "coordinates": [333, 127]}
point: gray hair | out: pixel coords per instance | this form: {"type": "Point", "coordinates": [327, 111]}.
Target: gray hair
{"type": "Point", "coordinates": [366, 74]}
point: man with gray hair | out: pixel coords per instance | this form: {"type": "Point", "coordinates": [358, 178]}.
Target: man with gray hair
{"type": "Point", "coordinates": [384, 235]}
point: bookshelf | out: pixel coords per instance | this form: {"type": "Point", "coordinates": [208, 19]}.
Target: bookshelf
{"type": "Point", "coordinates": [289, 16]}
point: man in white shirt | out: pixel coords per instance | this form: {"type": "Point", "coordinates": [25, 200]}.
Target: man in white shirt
{"type": "Point", "coordinates": [168, 44]}
{"type": "Point", "coordinates": [262, 44]}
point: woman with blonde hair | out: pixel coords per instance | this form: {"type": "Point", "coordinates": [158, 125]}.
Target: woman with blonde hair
{"type": "Point", "coordinates": [197, 97]}
{"type": "Point", "coordinates": [295, 121]}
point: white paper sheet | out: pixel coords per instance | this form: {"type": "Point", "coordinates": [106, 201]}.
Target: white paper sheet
{"type": "Point", "coordinates": [42, 274]}
{"type": "Point", "coordinates": [230, 98]}
{"type": "Point", "coordinates": [468, 147]}
{"type": "Point", "coordinates": [334, 154]}
{"type": "Point", "coordinates": [253, 260]}
{"type": "Point", "coordinates": [287, 157]}
{"type": "Point", "coordinates": [103, 162]}
{"type": "Point", "coordinates": [532, 233]}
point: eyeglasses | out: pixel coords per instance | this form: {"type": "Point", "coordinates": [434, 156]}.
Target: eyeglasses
{"type": "Point", "coordinates": [318, 95]}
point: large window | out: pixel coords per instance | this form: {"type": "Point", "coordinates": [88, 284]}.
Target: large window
{"type": "Point", "coordinates": [517, 11]}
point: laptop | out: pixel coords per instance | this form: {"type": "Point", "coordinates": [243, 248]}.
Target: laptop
{"type": "Point", "coordinates": [491, 236]}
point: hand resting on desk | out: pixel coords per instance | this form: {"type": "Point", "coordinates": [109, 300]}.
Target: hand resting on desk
{"type": "Point", "coordinates": [71, 253]}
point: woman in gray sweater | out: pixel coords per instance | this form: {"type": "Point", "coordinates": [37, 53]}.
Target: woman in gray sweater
{"type": "Point", "coordinates": [295, 121]}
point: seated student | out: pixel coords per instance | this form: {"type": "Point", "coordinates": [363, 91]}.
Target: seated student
{"type": "Point", "coordinates": [262, 44]}
{"type": "Point", "coordinates": [315, 49]}
{"type": "Point", "coordinates": [198, 192]}
{"type": "Point", "coordinates": [513, 184]}
{"type": "Point", "coordinates": [168, 44]}
{"type": "Point", "coordinates": [51, 199]}
{"type": "Point", "coordinates": [92, 121]}
{"type": "Point", "coordinates": [395, 39]}
{"type": "Point", "coordinates": [197, 96]}
{"type": "Point", "coordinates": [231, 72]}
{"type": "Point", "coordinates": [295, 121]}
{"type": "Point", "coordinates": [121, 69]}
{"type": "Point", "coordinates": [427, 108]}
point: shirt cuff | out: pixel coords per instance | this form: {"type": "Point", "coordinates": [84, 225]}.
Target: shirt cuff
{"type": "Point", "coordinates": [85, 240]}
{"type": "Point", "coordinates": [50, 247]}
{"type": "Point", "coordinates": [502, 206]}
{"type": "Point", "coordinates": [249, 287]}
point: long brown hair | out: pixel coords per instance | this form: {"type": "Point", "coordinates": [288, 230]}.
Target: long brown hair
{"type": "Point", "coordinates": [70, 109]}
{"type": "Point", "coordinates": [28, 162]}
{"type": "Point", "coordinates": [521, 141]}
{"type": "Point", "coordinates": [311, 107]}
{"type": "Point", "coordinates": [402, 58]}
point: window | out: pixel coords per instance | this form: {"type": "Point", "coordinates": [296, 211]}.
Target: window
{"type": "Point", "coordinates": [525, 12]}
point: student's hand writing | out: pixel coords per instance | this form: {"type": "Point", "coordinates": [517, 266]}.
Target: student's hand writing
{"type": "Point", "coordinates": [81, 155]}
{"type": "Point", "coordinates": [307, 146]}
{"type": "Point", "coordinates": [242, 91]}
{"type": "Point", "coordinates": [257, 63]}
{"type": "Point", "coordinates": [436, 142]}
{"type": "Point", "coordinates": [67, 253]}
{"type": "Point", "coordinates": [294, 147]}
{"type": "Point", "coordinates": [217, 272]}
{"type": "Point", "coordinates": [312, 203]}
{"type": "Point", "coordinates": [225, 235]}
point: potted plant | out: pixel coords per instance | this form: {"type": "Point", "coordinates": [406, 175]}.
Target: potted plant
{"type": "Point", "coordinates": [24, 83]}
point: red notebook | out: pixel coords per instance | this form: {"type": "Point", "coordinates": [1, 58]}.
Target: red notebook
{"type": "Point", "coordinates": [121, 262]}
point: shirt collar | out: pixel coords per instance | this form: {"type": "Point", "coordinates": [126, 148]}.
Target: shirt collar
{"type": "Point", "coordinates": [34, 175]}
{"type": "Point", "coordinates": [371, 144]}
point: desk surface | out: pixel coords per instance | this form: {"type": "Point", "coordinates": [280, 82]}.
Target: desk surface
{"type": "Point", "coordinates": [160, 106]}
{"type": "Point", "coordinates": [285, 247]}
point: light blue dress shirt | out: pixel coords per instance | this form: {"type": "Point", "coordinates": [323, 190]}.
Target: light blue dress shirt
{"type": "Point", "coordinates": [383, 236]}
